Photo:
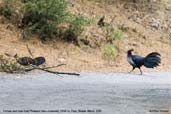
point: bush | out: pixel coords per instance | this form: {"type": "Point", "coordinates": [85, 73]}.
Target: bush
{"type": "Point", "coordinates": [76, 28]}
{"type": "Point", "coordinates": [11, 10]}
{"type": "Point", "coordinates": [115, 34]}
{"type": "Point", "coordinates": [112, 33]}
{"type": "Point", "coordinates": [6, 10]}
{"type": "Point", "coordinates": [109, 51]}
{"type": "Point", "coordinates": [44, 16]}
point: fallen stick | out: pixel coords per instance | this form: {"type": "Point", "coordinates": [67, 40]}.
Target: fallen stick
{"type": "Point", "coordinates": [29, 50]}
{"type": "Point", "coordinates": [54, 72]}
{"type": "Point", "coordinates": [35, 67]}
{"type": "Point", "coordinates": [44, 69]}
{"type": "Point", "coordinates": [54, 66]}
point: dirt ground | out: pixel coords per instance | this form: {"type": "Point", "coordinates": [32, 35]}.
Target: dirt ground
{"type": "Point", "coordinates": [145, 40]}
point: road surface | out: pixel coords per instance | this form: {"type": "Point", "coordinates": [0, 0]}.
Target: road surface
{"type": "Point", "coordinates": [90, 93]}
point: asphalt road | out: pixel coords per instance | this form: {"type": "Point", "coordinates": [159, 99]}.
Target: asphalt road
{"type": "Point", "coordinates": [90, 93]}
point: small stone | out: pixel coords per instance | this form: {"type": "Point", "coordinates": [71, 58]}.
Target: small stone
{"type": "Point", "coordinates": [155, 23]}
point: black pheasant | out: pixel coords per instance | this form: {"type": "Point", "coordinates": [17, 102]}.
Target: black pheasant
{"type": "Point", "coordinates": [150, 61]}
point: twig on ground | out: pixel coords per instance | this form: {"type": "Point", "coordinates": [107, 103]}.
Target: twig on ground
{"type": "Point", "coordinates": [35, 67]}
{"type": "Point", "coordinates": [29, 50]}
{"type": "Point", "coordinates": [18, 69]}
{"type": "Point", "coordinates": [54, 72]}
{"type": "Point", "coordinates": [53, 66]}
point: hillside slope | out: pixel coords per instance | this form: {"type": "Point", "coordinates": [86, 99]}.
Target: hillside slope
{"type": "Point", "coordinates": [148, 30]}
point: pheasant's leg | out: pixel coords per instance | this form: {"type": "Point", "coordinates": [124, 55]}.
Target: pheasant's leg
{"type": "Point", "coordinates": [132, 69]}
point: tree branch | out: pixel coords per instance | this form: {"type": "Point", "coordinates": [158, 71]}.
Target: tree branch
{"type": "Point", "coordinates": [54, 72]}
{"type": "Point", "coordinates": [29, 50]}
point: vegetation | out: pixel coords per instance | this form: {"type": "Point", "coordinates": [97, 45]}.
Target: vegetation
{"type": "Point", "coordinates": [7, 10]}
{"type": "Point", "coordinates": [8, 65]}
{"type": "Point", "coordinates": [109, 51]}
{"type": "Point", "coordinates": [76, 28]}
{"type": "Point", "coordinates": [112, 33]}
{"type": "Point", "coordinates": [115, 34]}
{"type": "Point", "coordinates": [45, 18]}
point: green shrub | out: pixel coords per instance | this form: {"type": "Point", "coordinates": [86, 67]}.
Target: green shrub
{"type": "Point", "coordinates": [76, 27]}
{"type": "Point", "coordinates": [109, 51]}
{"type": "Point", "coordinates": [7, 10]}
{"type": "Point", "coordinates": [112, 33]}
{"type": "Point", "coordinates": [46, 18]}
{"type": "Point", "coordinates": [115, 34]}
{"type": "Point", "coordinates": [43, 17]}
{"type": "Point", "coordinates": [11, 9]}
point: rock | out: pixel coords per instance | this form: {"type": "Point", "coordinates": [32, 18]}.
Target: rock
{"type": "Point", "coordinates": [136, 17]}
{"type": "Point", "coordinates": [61, 60]}
{"type": "Point", "coordinates": [156, 24]}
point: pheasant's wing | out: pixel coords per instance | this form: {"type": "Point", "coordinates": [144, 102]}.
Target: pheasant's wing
{"type": "Point", "coordinates": [138, 60]}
